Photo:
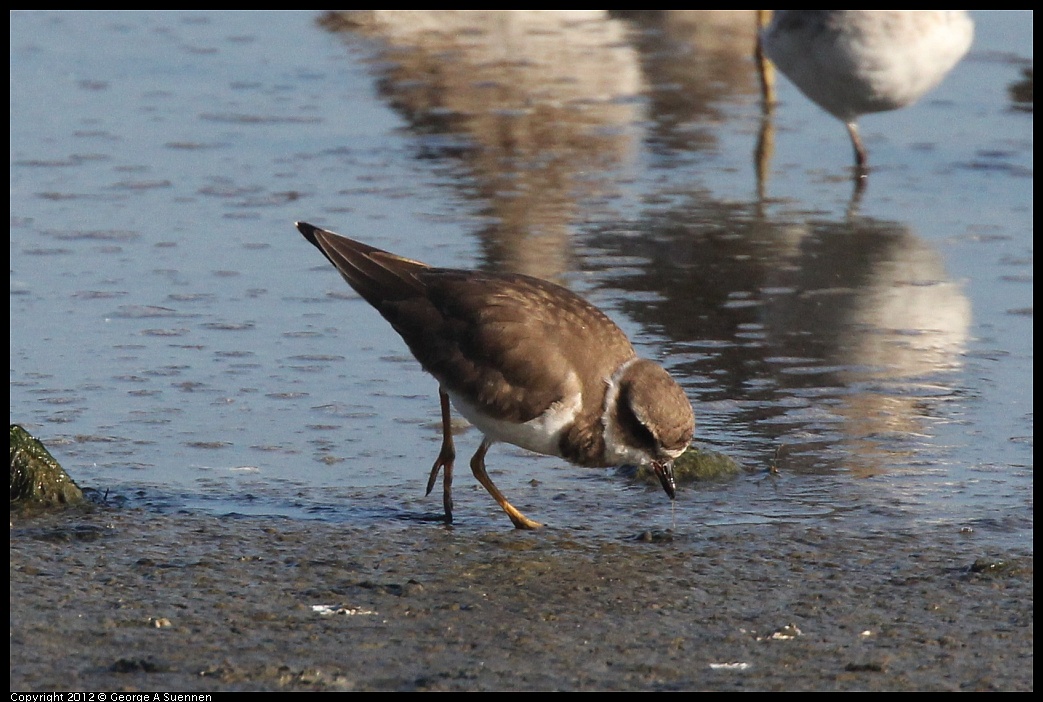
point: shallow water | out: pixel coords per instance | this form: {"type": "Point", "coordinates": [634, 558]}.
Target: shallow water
{"type": "Point", "coordinates": [172, 334]}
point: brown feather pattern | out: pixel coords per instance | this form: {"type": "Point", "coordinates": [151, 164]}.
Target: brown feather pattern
{"type": "Point", "coordinates": [501, 339]}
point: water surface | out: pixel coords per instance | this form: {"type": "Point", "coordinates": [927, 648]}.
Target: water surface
{"type": "Point", "coordinates": [173, 337]}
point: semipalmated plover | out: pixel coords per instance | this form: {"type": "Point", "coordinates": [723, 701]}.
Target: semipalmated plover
{"type": "Point", "coordinates": [526, 361]}
{"type": "Point", "coordinates": [854, 62]}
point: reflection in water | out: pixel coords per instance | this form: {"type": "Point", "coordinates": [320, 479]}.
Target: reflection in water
{"type": "Point", "coordinates": [695, 62]}
{"type": "Point", "coordinates": [818, 336]}
{"type": "Point", "coordinates": [871, 302]}
{"type": "Point", "coordinates": [547, 109]}
{"type": "Point", "coordinates": [143, 397]}
{"type": "Point", "coordinates": [1021, 91]}
{"type": "Point", "coordinates": [539, 105]}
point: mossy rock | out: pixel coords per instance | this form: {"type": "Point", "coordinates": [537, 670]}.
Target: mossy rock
{"type": "Point", "coordinates": [694, 465]}
{"type": "Point", "coordinates": [705, 464]}
{"type": "Point", "coordinates": [37, 480]}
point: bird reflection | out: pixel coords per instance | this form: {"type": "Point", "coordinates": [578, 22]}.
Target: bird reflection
{"type": "Point", "coordinates": [821, 334]}
{"type": "Point", "coordinates": [1020, 91]}
{"type": "Point", "coordinates": [872, 304]}
{"type": "Point", "coordinates": [548, 110]}
{"type": "Point", "coordinates": [540, 107]}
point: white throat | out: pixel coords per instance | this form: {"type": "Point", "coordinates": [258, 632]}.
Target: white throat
{"type": "Point", "coordinates": [617, 450]}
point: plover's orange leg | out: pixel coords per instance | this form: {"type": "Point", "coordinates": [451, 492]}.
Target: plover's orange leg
{"type": "Point", "coordinates": [478, 468]}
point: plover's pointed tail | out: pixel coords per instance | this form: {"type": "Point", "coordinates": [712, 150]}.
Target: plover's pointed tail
{"type": "Point", "coordinates": [375, 274]}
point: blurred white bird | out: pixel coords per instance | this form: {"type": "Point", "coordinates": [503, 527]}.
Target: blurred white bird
{"type": "Point", "coordinates": [853, 62]}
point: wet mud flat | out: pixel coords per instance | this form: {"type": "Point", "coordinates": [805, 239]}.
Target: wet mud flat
{"type": "Point", "coordinates": [128, 600]}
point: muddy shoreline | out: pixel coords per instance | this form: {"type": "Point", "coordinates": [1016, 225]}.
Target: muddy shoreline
{"type": "Point", "coordinates": [128, 600]}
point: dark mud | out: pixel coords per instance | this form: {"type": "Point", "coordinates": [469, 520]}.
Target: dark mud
{"type": "Point", "coordinates": [130, 600]}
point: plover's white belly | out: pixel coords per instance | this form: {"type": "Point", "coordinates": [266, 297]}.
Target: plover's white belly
{"type": "Point", "coordinates": [540, 434]}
